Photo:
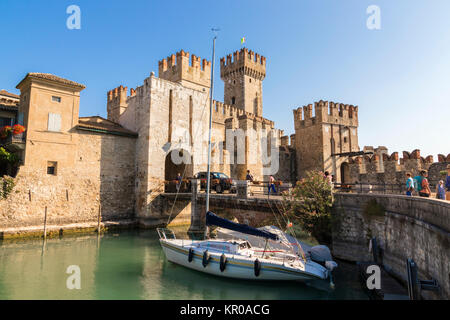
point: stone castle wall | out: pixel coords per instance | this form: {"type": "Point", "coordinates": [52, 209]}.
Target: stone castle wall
{"type": "Point", "coordinates": [405, 227]}
{"type": "Point", "coordinates": [385, 168]}
{"type": "Point", "coordinates": [103, 174]}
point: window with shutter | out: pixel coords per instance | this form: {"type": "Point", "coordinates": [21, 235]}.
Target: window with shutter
{"type": "Point", "coordinates": [54, 122]}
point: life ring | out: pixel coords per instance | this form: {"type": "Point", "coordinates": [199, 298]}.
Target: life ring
{"type": "Point", "coordinates": [257, 267]}
{"type": "Point", "coordinates": [206, 258]}
{"type": "Point", "coordinates": [223, 262]}
{"type": "Point", "coordinates": [191, 255]}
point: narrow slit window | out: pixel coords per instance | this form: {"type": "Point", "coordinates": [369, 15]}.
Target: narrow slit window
{"type": "Point", "coordinates": [56, 99]}
{"type": "Point", "coordinates": [51, 167]}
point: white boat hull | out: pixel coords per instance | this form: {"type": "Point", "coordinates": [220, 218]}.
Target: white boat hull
{"type": "Point", "coordinates": [240, 267]}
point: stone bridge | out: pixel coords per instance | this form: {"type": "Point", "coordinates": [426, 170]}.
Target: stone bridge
{"type": "Point", "coordinates": [405, 227]}
{"type": "Point", "coordinates": [190, 208]}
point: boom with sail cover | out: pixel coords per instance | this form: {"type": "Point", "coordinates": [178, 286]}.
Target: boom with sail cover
{"type": "Point", "coordinates": [213, 220]}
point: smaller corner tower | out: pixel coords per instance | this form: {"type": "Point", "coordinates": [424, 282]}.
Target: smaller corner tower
{"type": "Point", "coordinates": [243, 73]}
{"type": "Point", "coordinates": [116, 103]}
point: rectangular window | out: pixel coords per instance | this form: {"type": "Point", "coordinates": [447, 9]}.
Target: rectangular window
{"type": "Point", "coordinates": [54, 122]}
{"type": "Point", "coordinates": [51, 167]}
{"type": "Point", "coordinates": [56, 99]}
{"type": "Point", "coordinates": [6, 121]}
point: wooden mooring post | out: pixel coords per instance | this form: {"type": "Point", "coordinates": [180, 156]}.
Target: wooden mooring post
{"type": "Point", "coordinates": [45, 224]}
{"type": "Point", "coordinates": [99, 218]}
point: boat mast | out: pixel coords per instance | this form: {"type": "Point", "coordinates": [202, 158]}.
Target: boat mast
{"type": "Point", "coordinates": [208, 178]}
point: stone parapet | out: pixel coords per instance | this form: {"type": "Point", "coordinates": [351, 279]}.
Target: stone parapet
{"type": "Point", "coordinates": [405, 227]}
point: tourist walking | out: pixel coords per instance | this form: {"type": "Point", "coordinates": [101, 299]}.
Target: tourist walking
{"type": "Point", "coordinates": [425, 190]}
{"type": "Point", "coordinates": [440, 190]}
{"type": "Point", "coordinates": [447, 184]}
{"type": "Point", "coordinates": [249, 177]}
{"type": "Point", "coordinates": [179, 180]}
{"type": "Point", "coordinates": [329, 178]}
{"type": "Point", "coordinates": [409, 184]}
{"type": "Point", "coordinates": [272, 184]}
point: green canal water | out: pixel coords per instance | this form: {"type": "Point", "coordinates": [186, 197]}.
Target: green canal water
{"type": "Point", "coordinates": [131, 265]}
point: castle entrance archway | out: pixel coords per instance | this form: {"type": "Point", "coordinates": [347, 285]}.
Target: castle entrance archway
{"type": "Point", "coordinates": [178, 161]}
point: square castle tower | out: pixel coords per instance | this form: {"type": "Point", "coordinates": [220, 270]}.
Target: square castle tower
{"type": "Point", "coordinates": [319, 139]}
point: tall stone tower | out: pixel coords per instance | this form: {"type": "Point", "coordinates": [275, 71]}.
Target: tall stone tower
{"type": "Point", "coordinates": [243, 75]}
{"type": "Point", "coordinates": [332, 130]}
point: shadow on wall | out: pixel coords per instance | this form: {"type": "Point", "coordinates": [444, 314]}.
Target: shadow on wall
{"type": "Point", "coordinates": [117, 177]}
{"type": "Point", "coordinates": [152, 208]}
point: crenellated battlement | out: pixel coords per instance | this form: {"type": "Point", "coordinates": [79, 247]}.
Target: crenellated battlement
{"type": "Point", "coordinates": [382, 167]}
{"type": "Point", "coordinates": [117, 94]}
{"type": "Point", "coordinates": [242, 62]}
{"type": "Point", "coordinates": [443, 158]}
{"type": "Point", "coordinates": [222, 111]}
{"type": "Point", "coordinates": [116, 102]}
{"type": "Point", "coordinates": [179, 68]}
{"type": "Point", "coordinates": [326, 112]}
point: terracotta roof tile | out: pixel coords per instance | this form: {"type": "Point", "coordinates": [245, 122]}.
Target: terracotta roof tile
{"type": "Point", "coordinates": [9, 94]}
{"type": "Point", "coordinates": [51, 77]}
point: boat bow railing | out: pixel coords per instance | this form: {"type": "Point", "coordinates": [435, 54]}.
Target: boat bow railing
{"type": "Point", "coordinates": [165, 233]}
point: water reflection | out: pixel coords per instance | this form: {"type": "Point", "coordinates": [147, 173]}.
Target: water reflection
{"type": "Point", "coordinates": [131, 265]}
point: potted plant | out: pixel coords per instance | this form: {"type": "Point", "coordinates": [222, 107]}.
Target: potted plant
{"type": "Point", "coordinates": [5, 131]}
{"type": "Point", "coordinates": [18, 129]}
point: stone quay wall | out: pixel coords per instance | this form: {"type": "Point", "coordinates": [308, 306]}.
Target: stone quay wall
{"type": "Point", "coordinates": [103, 174]}
{"type": "Point", "coordinates": [405, 227]}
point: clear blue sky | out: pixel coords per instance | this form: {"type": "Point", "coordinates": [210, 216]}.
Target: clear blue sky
{"type": "Point", "coordinates": [399, 76]}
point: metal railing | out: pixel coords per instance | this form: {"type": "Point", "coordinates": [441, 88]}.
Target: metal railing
{"type": "Point", "coordinates": [173, 186]}
{"type": "Point", "coordinates": [262, 188]}
{"type": "Point", "coordinates": [383, 188]}
{"type": "Point", "coordinates": [165, 233]}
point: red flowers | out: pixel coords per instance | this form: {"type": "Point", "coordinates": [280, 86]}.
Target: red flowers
{"type": "Point", "coordinates": [7, 130]}
{"type": "Point", "coordinates": [18, 129]}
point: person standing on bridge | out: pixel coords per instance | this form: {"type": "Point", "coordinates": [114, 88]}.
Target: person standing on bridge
{"type": "Point", "coordinates": [329, 178]}
{"type": "Point", "coordinates": [447, 184]}
{"type": "Point", "coordinates": [425, 191]}
{"type": "Point", "coordinates": [409, 184]}
{"type": "Point", "coordinates": [272, 184]}
{"type": "Point", "coordinates": [440, 190]}
{"type": "Point", "coordinates": [179, 180]}
{"type": "Point", "coordinates": [249, 177]}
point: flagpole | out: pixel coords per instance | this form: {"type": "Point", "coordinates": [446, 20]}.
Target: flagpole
{"type": "Point", "coordinates": [208, 178]}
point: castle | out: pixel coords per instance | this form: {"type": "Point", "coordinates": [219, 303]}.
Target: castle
{"type": "Point", "coordinates": [75, 164]}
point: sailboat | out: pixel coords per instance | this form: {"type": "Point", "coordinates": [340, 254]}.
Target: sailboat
{"type": "Point", "coordinates": [240, 257]}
